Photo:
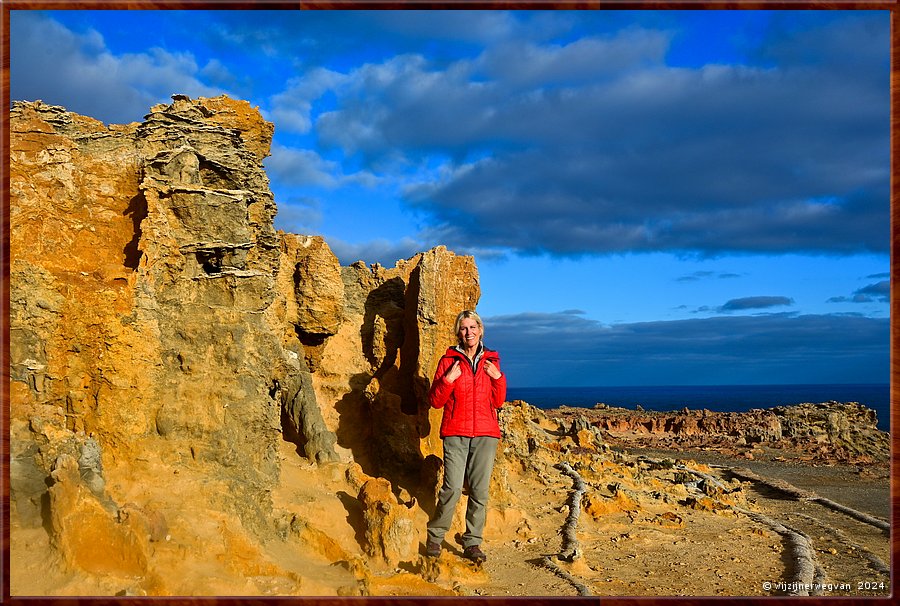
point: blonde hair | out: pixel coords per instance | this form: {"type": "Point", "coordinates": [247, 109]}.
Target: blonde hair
{"type": "Point", "coordinates": [468, 314]}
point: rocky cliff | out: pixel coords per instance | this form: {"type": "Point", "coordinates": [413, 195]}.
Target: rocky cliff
{"type": "Point", "coordinates": [201, 405]}
{"type": "Point", "coordinates": [825, 432]}
{"type": "Point", "coordinates": [158, 320]}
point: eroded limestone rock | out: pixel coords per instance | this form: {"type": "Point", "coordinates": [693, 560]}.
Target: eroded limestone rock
{"type": "Point", "coordinates": [86, 531]}
{"type": "Point", "coordinates": [156, 316]}
{"type": "Point", "coordinates": [390, 535]}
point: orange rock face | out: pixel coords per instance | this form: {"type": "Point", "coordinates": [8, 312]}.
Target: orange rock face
{"type": "Point", "coordinates": [389, 528]}
{"type": "Point", "coordinates": [87, 534]}
{"type": "Point", "coordinates": [156, 313]}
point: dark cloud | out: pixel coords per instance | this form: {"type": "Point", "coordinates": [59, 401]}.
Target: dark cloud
{"type": "Point", "coordinates": [746, 303]}
{"type": "Point", "coordinates": [827, 44]}
{"type": "Point", "coordinates": [878, 292]}
{"type": "Point", "coordinates": [623, 153]}
{"type": "Point", "coordinates": [320, 36]}
{"type": "Point", "coordinates": [696, 276]}
{"type": "Point", "coordinates": [536, 132]}
{"type": "Point", "coordinates": [570, 349]}
{"type": "Point", "coordinates": [703, 275]}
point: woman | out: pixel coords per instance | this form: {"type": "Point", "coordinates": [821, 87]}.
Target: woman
{"type": "Point", "coordinates": [470, 388]}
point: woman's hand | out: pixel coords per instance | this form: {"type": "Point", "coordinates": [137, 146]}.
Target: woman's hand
{"type": "Point", "coordinates": [492, 370]}
{"type": "Point", "coordinates": [453, 374]}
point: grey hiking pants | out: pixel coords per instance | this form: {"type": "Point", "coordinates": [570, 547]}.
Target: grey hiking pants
{"type": "Point", "coordinates": [470, 460]}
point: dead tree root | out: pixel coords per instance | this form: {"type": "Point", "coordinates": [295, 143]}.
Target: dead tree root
{"type": "Point", "coordinates": [570, 549]}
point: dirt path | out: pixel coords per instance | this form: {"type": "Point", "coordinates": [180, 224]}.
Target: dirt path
{"type": "Point", "coordinates": [851, 557]}
{"type": "Point", "coordinates": [699, 554]}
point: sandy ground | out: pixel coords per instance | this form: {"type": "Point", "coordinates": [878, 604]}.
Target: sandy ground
{"type": "Point", "coordinates": [661, 547]}
{"type": "Point", "coordinates": [720, 554]}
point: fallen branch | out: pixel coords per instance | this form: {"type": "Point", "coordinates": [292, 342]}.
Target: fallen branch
{"type": "Point", "coordinates": [570, 548]}
{"type": "Point", "coordinates": [805, 495]}
{"type": "Point", "coordinates": [578, 585]}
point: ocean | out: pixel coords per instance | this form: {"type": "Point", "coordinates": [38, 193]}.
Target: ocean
{"type": "Point", "coordinates": [719, 398]}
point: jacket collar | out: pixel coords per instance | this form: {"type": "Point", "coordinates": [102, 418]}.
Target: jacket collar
{"type": "Point", "coordinates": [479, 353]}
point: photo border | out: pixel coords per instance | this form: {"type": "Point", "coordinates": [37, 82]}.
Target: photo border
{"type": "Point", "coordinates": [11, 5]}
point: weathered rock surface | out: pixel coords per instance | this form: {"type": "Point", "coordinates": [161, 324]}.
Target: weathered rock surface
{"type": "Point", "coordinates": [156, 315]}
{"type": "Point", "coordinates": [87, 532]}
{"type": "Point", "coordinates": [829, 431]}
{"type": "Point", "coordinates": [390, 534]}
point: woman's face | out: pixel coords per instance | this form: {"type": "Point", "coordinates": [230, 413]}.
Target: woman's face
{"type": "Point", "coordinates": [469, 332]}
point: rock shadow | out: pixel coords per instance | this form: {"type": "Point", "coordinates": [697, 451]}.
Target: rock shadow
{"type": "Point", "coordinates": [355, 517]}
{"type": "Point", "coordinates": [354, 431]}
{"type": "Point", "coordinates": [137, 210]}
{"type": "Point", "coordinates": [382, 331]}
{"type": "Point", "coordinates": [290, 434]}
{"type": "Point", "coordinates": [381, 419]}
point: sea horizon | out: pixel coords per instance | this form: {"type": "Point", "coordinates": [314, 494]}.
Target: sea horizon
{"type": "Point", "coordinates": [718, 398]}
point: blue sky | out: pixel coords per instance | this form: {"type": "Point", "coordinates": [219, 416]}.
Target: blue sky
{"type": "Point", "coordinates": [652, 197]}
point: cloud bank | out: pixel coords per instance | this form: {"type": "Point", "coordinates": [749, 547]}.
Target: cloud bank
{"type": "Point", "coordinates": [532, 132]}
{"type": "Point", "coordinates": [567, 348]}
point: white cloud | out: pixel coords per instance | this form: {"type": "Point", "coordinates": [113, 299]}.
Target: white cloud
{"type": "Point", "coordinates": [299, 215]}
{"type": "Point", "coordinates": [293, 167]}
{"type": "Point", "coordinates": [291, 108]}
{"type": "Point", "coordinates": [585, 60]}
{"type": "Point", "coordinates": [297, 167]}
{"type": "Point", "coordinates": [383, 251]}
{"type": "Point", "coordinates": [88, 78]}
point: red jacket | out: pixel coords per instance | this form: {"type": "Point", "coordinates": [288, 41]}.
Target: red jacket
{"type": "Point", "coordinates": [470, 403]}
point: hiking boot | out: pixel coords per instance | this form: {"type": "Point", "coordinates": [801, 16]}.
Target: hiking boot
{"type": "Point", "coordinates": [474, 553]}
{"type": "Point", "coordinates": [432, 549]}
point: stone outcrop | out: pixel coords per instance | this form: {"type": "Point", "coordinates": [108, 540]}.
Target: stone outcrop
{"type": "Point", "coordinates": [828, 431]}
{"type": "Point", "coordinates": [843, 430]}
{"type": "Point", "coordinates": [157, 316]}
{"type": "Point", "coordinates": [87, 532]}
{"type": "Point", "coordinates": [390, 535]}
{"type": "Point", "coordinates": [143, 260]}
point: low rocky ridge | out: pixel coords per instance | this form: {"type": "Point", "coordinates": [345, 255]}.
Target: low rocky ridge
{"type": "Point", "coordinates": [201, 405]}
{"type": "Point", "coordinates": [827, 432]}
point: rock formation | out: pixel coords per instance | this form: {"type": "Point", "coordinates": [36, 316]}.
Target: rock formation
{"type": "Point", "coordinates": [827, 431]}
{"type": "Point", "coordinates": [156, 315]}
